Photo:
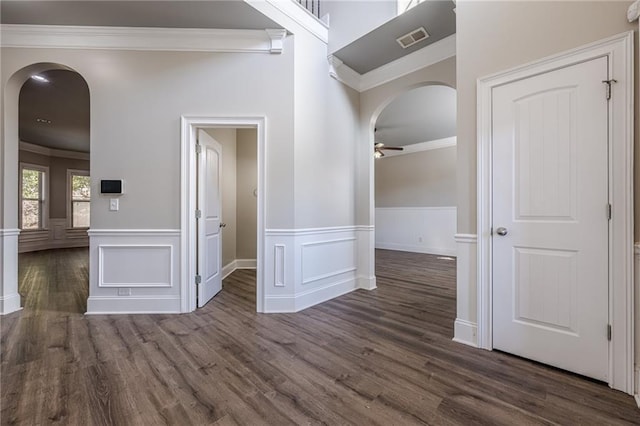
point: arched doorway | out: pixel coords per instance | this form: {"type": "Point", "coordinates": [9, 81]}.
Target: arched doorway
{"type": "Point", "coordinates": [45, 157]}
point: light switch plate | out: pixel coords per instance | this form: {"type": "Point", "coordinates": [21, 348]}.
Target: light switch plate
{"type": "Point", "coordinates": [114, 204]}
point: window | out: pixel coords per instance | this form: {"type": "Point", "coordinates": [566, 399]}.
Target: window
{"type": "Point", "coordinates": [33, 196]}
{"type": "Point", "coordinates": [79, 184]}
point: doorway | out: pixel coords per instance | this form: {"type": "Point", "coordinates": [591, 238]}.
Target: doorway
{"type": "Point", "coordinates": [532, 253]}
{"type": "Point", "coordinates": [54, 191]}
{"type": "Point", "coordinates": [236, 135]}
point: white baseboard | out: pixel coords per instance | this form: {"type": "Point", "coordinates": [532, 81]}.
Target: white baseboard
{"type": "Point", "coordinates": [9, 304]}
{"type": "Point", "coordinates": [367, 283]}
{"type": "Point", "coordinates": [465, 332]}
{"type": "Point", "coordinates": [105, 305]}
{"type": "Point", "coordinates": [637, 385]}
{"type": "Point", "coordinates": [230, 267]}
{"type": "Point", "coordinates": [283, 304]}
{"type": "Point", "coordinates": [416, 249]}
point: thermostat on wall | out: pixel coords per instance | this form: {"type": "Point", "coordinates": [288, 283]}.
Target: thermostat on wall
{"type": "Point", "coordinates": [111, 186]}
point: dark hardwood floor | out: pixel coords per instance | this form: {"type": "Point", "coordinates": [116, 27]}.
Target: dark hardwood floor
{"type": "Point", "coordinates": [383, 357]}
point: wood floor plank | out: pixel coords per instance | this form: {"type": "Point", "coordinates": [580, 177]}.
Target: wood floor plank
{"type": "Point", "coordinates": [381, 357]}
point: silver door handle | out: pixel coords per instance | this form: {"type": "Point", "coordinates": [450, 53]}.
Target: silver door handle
{"type": "Point", "coordinates": [222, 225]}
{"type": "Point", "coordinates": [502, 231]}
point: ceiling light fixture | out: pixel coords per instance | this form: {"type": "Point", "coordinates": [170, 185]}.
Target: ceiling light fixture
{"type": "Point", "coordinates": [39, 78]}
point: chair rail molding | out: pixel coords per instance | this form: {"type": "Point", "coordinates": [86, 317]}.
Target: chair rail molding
{"type": "Point", "coordinates": [128, 38]}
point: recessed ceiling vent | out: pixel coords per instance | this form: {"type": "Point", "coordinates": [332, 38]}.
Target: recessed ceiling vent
{"type": "Point", "coordinates": [413, 37]}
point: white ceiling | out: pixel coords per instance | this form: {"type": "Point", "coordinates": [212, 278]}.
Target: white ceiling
{"type": "Point", "coordinates": [223, 14]}
{"type": "Point", "coordinates": [64, 101]}
{"type": "Point", "coordinates": [419, 115]}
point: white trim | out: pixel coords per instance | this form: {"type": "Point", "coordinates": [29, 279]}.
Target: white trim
{"type": "Point", "coordinates": [619, 49]}
{"type": "Point", "coordinates": [104, 284]}
{"type": "Point", "coordinates": [52, 152]}
{"type": "Point", "coordinates": [10, 232]}
{"type": "Point", "coordinates": [44, 187]}
{"type": "Point", "coordinates": [236, 264]}
{"type": "Point", "coordinates": [70, 174]}
{"type": "Point", "coordinates": [129, 38]}
{"type": "Point", "coordinates": [466, 238]}
{"type": "Point", "coordinates": [105, 305]}
{"type": "Point", "coordinates": [422, 146]}
{"type": "Point", "coordinates": [304, 300]}
{"type": "Point", "coordinates": [633, 12]}
{"type": "Point", "coordinates": [311, 231]}
{"type": "Point", "coordinates": [288, 12]}
{"type": "Point", "coordinates": [10, 303]}
{"type": "Point", "coordinates": [189, 127]}
{"type": "Point", "coordinates": [428, 55]}
{"type": "Point", "coordinates": [277, 37]}
{"type": "Point", "coordinates": [133, 232]}
{"type": "Point", "coordinates": [465, 332]}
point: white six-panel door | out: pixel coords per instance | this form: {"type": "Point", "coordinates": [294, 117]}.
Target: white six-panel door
{"type": "Point", "coordinates": [209, 205]}
{"type": "Point", "coordinates": [550, 219]}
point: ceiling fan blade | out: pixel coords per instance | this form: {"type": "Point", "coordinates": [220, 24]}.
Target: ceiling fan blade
{"type": "Point", "coordinates": [393, 148]}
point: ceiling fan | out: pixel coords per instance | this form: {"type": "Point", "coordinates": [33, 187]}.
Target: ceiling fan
{"type": "Point", "coordinates": [378, 147]}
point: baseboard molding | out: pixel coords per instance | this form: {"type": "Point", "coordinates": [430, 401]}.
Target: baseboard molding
{"type": "Point", "coordinates": [231, 267]}
{"type": "Point", "coordinates": [283, 304]}
{"type": "Point", "coordinates": [416, 249]}
{"type": "Point", "coordinates": [9, 304]}
{"type": "Point", "coordinates": [367, 283]}
{"type": "Point", "coordinates": [106, 305]}
{"type": "Point", "coordinates": [637, 385]}
{"type": "Point", "coordinates": [465, 332]}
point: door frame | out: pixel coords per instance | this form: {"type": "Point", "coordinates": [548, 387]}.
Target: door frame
{"type": "Point", "coordinates": [619, 50]}
{"type": "Point", "coordinates": [188, 252]}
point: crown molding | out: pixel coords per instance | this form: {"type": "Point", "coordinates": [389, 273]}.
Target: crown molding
{"type": "Point", "coordinates": [129, 38]}
{"type": "Point", "coordinates": [51, 152]}
{"type": "Point", "coordinates": [290, 14]}
{"type": "Point", "coordinates": [429, 55]}
{"type": "Point", "coordinates": [422, 146]}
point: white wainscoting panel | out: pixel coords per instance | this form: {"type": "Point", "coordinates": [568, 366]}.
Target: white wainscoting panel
{"type": "Point", "coordinates": [58, 235]}
{"type": "Point", "coordinates": [9, 296]}
{"type": "Point", "coordinates": [417, 229]}
{"type": "Point", "coordinates": [465, 328]}
{"type": "Point", "coordinates": [124, 265]}
{"type": "Point", "coordinates": [304, 267]}
{"type": "Point", "coordinates": [134, 271]}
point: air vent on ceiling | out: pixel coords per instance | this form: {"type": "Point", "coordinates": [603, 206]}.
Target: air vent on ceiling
{"type": "Point", "coordinates": [413, 37]}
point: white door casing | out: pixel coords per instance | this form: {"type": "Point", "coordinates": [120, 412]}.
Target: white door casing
{"type": "Point", "coordinates": [550, 193]}
{"type": "Point", "coordinates": [209, 220]}
{"type": "Point", "coordinates": [619, 53]}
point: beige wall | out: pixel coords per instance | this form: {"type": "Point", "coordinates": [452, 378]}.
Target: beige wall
{"type": "Point", "coordinates": [495, 36]}
{"type": "Point", "coordinates": [247, 203]}
{"type": "Point", "coordinates": [420, 179]}
{"type": "Point", "coordinates": [227, 138]}
{"type": "Point", "coordinates": [57, 178]}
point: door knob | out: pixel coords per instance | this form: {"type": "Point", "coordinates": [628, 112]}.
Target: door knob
{"type": "Point", "coordinates": [222, 225]}
{"type": "Point", "coordinates": [502, 231]}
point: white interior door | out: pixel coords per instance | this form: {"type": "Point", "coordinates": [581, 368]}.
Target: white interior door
{"type": "Point", "coordinates": [550, 218]}
{"type": "Point", "coordinates": [209, 235]}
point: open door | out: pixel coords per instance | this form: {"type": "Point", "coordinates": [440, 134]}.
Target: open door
{"type": "Point", "coordinates": [208, 223]}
